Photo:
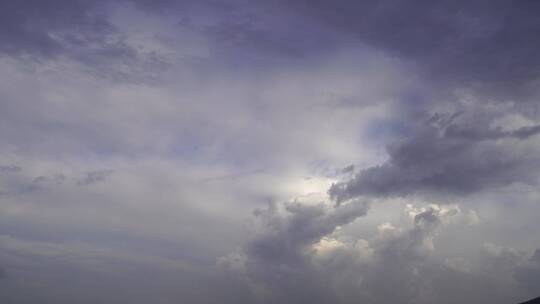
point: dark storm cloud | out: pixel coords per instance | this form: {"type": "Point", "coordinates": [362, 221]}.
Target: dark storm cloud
{"type": "Point", "coordinates": [488, 43]}
{"type": "Point", "coordinates": [446, 155]}
{"type": "Point", "coordinates": [285, 241]}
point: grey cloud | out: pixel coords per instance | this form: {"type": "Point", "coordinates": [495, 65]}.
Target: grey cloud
{"type": "Point", "coordinates": [416, 243]}
{"type": "Point", "coordinates": [79, 32]}
{"type": "Point", "coordinates": [449, 157]}
{"type": "Point", "coordinates": [402, 262]}
{"type": "Point", "coordinates": [53, 179]}
{"type": "Point", "coordinates": [285, 241]}
{"type": "Point", "coordinates": [22, 184]}
{"type": "Point", "coordinates": [486, 44]}
{"type": "Point", "coordinates": [484, 133]}
{"type": "Point", "coordinates": [525, 132]}
{"type": "Point", "coordinates": [267, 87]}
{"type": "Point", "coordinates": [94, 177]}
{"type": "Point", "coordinates": [490, 44]}
{"type": "Point", "coordinates": [529, 273]}
{"type": "Point", "coordinates": [405, 268]}
{"type": "Point", "coordinates": [279, 257]}
{"type": "Point", "coordinates": [85, 273]}
{"type": "Point", "coordinates": [399, 265]}
{"type": "Point", "coordinates": [348, 169]}
{"type": "Point", "coordinates": [10, 168]}
{"type": "Point", "coordinates": [51, 28]}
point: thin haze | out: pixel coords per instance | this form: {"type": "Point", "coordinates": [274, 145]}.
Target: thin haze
{"type": "Point", "coordinates": [269, 152]}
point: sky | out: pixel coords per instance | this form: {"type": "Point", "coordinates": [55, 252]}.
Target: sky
{"type": "Point", "coordinates": [237, 151]}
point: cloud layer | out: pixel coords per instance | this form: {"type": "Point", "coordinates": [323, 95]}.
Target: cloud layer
{"type": "Point", "coordinates": [269, 152]}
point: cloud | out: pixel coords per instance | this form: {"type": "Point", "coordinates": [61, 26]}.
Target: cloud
{"type": "Point", "coordinates": [32, 27]}
{"type": "Point", "coordinates": [137, 137]}
{"type": "Point", "coordinates": [399, 263]}
{"type": "Point", "coordinates": [278, 259]}
{"type": "Point", "coordinates": [94, 177]}
{"type": "Point", "coordinates": [457, 44]}
{"type": "Point", "coordinates": [287, 238]}
{"type": "Point", "coordinates": [484, 44]}
{"type": "Point", "coordinates": [9, 168]}
{"type": "Point", "coordinates": [76, 35]}
{"type": "Point", "coordinates": [528, 274]}
{"type": "Point", "coordinates": [78, 30]}
{"type": "Point", "coordinates": [449, 154]}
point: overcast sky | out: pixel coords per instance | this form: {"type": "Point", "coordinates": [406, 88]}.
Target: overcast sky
{"type": "Point", "coordinates": [240, 151]}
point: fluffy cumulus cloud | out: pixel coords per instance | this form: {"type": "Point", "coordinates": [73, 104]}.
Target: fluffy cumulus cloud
{"type": "Point", "coordinates": [269, 151]}
{"type": "Point", "coordinates": [397, 263]}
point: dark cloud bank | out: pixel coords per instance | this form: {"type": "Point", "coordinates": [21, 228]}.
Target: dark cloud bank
{"type": "Point", "coordinates": [471, 129]}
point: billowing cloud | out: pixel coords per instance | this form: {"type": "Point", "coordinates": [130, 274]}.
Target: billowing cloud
{"type": "Point", "coordinates": [399, 263]}
{"type": "Point", "coordinates": [279, 258]}
{"type": "Point", "coordinates": [450, 154]}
